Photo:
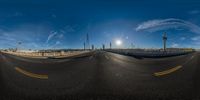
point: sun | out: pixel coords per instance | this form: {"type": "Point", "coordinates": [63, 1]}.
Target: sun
{"type": "Point", "coordinates": [118, 42]}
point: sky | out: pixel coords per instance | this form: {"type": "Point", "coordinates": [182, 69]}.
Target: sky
{"type": "Point", "coordinates": [56, 24]}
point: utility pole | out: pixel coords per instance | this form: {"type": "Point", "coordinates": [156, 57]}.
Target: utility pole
{"type": "Point", "coordinates": [87, 41]}
{"type": "Point", "coordinates": [103, 46]}
{"type": "Point", "coordinates": [132, 46]}
{"type": "Point", "coordinates": [18, 45]}
{"type": "Point", "coordinates": [84, 45]}
{"type": "Point", "coordinates": [110, 45]}
{"type": "Point", "coordinates": [164, 41]}
{"type": "Point", "coordinates": [92, 47]}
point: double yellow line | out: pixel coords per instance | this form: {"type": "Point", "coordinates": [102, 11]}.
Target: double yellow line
{"type": "Point", "coordinates": [167, 71]}
{"type": "Point", "coordinates": [33, 75]}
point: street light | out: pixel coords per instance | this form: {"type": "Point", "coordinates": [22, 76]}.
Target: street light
{"type": "Point", "coordinates": [18, 44]}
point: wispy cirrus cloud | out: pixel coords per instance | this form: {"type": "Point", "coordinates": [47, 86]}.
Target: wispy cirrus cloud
{"type": "Point", "coordinates": [195, 38]}
{"type": "Point", "coordinates": [56, 44]}
{"type": "Point", "coordinates": [162, 24]}
{"type": "Point", "coordinates": [174, 45]}
{"type": "Point", "coordinates": [182, 38]}
{"type": "Point", "coordinates": [18, 14]}
{"type": "Point", "coordinates": [69, 28]}
{"type": "Point", "coordinates": [194, 12]}
{"type": "Point", "coordinates": [54, 35]}
{"type": "Point", "coordinates": [31, 36]}
{"type": "Point", "coordinates": [9, 39]}
{"type": "Point", "coordinates": [54, 39]}
{"type": "Point", "coordinates": [51, 35]}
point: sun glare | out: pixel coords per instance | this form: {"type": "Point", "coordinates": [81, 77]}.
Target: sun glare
{"type": "Point", "coordinates": [118, 42]}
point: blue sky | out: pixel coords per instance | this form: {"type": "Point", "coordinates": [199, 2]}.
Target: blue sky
{"type": "Point", "coordinates": [44, 24]}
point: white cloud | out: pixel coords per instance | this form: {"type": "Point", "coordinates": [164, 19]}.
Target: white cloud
{"type": "Point", "coordinates": [53, 16]}
{"type": "Point", "coordinates": [60, 36]}
{"type": "Point", "coordinates": [31, 36]}
{"type": "Point", "coordinates": [127, 37]}
{"type": "Point", "coordinates": [183, 38]}
{"type": "Point", "coordinates": [9, 39]}
{"type": "Point", "coordinates": [51, 36]}
{"type": "Point", "coordinates": [194, 12]}
{"type": "Point", "coordinates": [195, 38]}
{"type": "Point", "coordinates": [174, 45]}
{"type": "Point", "coordinates": [55, 45]}
{"type": "Point", "coordinates": [57, 42]}
{"type": "Point", "coordinates": [54, 39]}
{"type": "Point", "coordinates": [161, 24]}
{"type": "Point", "coordinates": [69, 28]}
{"type": "Point", "coordinates": [17, 14]}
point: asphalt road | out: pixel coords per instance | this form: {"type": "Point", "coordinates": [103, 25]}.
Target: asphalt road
{"type": "Point", "coordinates": [100, 75]}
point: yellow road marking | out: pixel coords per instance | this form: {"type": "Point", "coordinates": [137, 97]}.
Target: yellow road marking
{"type": "Point", "coordinates": [31, 74]}
{"type": "Point", "coordinates": [167, 71]}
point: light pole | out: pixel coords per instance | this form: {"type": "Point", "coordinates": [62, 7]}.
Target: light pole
{"type": "Point", "coordinates": [132, 46]}
{"type": "Point", "coordinates": [164, 41]}
{"type": "Point", "coordinates": [110, 45]}
{"type": "Point", "coordinates": [18, 44]}
{"type": "Point", "coordinates": [103, 46]}
{"type": "Point", "coordinates": [84, 46]}
{"type": "Point", "coordinates": [92, 47]}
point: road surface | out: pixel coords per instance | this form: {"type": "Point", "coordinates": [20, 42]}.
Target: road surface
{"type": "Point", "coordinates": [100, 75]}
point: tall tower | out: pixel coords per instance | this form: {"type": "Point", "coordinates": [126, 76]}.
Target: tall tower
{"type": "Point", "coordinates": [103, 46]}
{"type": "Point", "coordinates": [110, 45]}
{"type": "Point", "coordinates": [164, 41]}
{"type": "Point", "coordinates": [18, 46]}
{"type": "Point", "coordinates": [84, 45]}
{"type": "Point", "coordinates": [92, 47]}
{"type": "Point", "coordinates": [132, 46]}
{"type": "Point", "coordinates": [87, 41]}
